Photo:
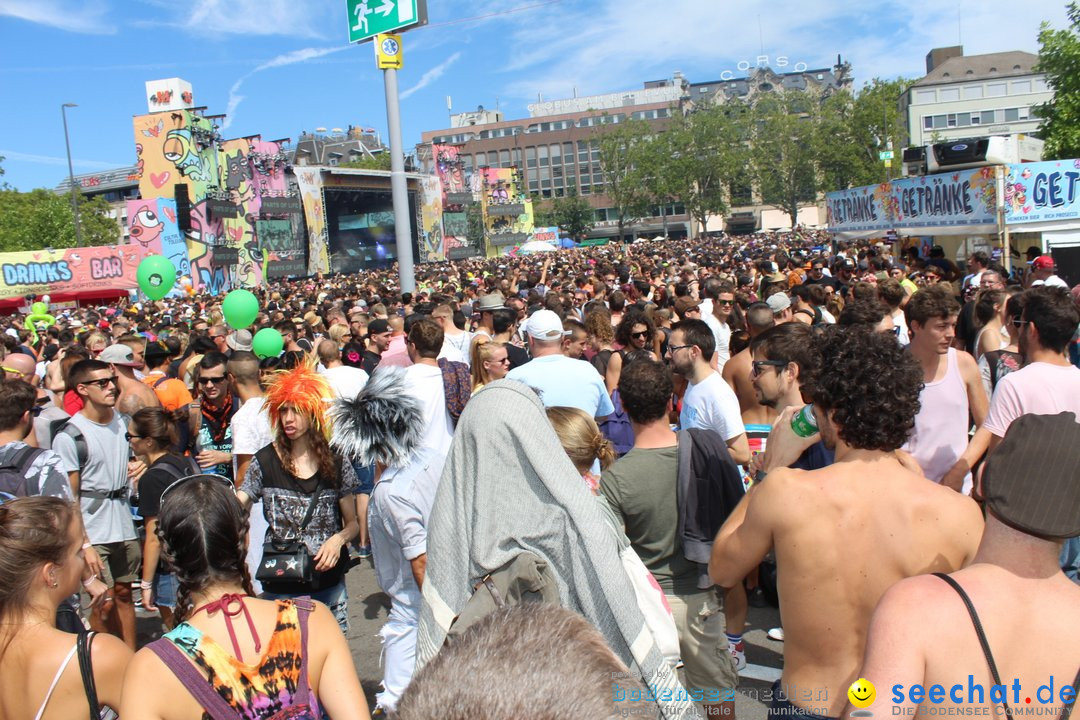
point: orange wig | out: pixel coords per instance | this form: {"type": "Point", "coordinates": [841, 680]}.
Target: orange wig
{"type": "Point", "coordinates": [301, 388]}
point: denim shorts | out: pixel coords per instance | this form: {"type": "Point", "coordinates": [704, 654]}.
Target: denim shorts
{"type": "Point", "coordinates": [366, 475]}
{"type": "Point", "coordinates": [166, 588]}
{"type": "Point", "coordinates": [335, 597]}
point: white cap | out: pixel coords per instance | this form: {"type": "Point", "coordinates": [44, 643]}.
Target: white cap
{"type": "Point", "coordinates": [545, 325]}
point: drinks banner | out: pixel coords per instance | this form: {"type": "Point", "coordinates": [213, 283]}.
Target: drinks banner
{"type": "Point", "coordinates": [959, 198]}
{"type": "Point", "coordinates": [1042, 191]}
{"type": "Point", "coordinates": [70, 270]}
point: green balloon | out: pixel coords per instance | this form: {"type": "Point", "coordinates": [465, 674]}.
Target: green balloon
{"type": "Point", "coordinates": [39, 308]}
{"type": "Point", "coordinates": [156, 276]}
{"type": "Point", "coordinates": [267, 343]}
{"type": "Point", "coordinates": [240, 308]}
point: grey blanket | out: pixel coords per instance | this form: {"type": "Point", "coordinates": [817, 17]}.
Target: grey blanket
{"type": "Point", "coordinates": [508, 487]}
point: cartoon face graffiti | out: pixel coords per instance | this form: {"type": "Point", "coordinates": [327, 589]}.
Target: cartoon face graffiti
{"type": "Point", "coordinates": [237, 172]}
{"type": "Point", "coordinates": [146, 227]}
{"type": "Point", "coordinates": [179, 149]}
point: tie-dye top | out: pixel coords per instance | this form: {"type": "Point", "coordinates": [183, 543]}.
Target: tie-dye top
{"type": "Point", "coordinates": [268, 690]}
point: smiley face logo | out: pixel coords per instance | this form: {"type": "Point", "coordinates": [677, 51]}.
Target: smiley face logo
{"type": "Point", "coordinates": [862, 693]}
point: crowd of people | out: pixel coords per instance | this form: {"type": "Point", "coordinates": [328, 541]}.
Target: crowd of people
{"type": "Point", "coordinates": [653, 437]}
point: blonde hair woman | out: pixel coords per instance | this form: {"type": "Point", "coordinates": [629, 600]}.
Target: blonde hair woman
{"type": "Point", "coordinates": [582, 440]}
{"type": "Point", "coordinates": [489, 362]}
{"type": "Point", "coordinates": [340, 334]}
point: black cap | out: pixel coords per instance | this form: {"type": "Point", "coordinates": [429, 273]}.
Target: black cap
{"type": "Point", "coordinates": [1030, 479]}
{"type": "Point", "coordinates": [377, 326]}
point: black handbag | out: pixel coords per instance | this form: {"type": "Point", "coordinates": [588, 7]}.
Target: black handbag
{"type": "Point", "coordinates": [289, 561]}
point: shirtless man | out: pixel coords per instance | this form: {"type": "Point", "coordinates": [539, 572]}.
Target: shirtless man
{"type": "Point", "coordinates": [134, 395]}
{"type": "Point", "coordinates": [759, 318]}
{"type": "Point", "coordinates": [921, 632]}
{"type": "Point", "coordinates": [847, 532]}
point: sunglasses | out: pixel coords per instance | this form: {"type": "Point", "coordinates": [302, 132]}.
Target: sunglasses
{"type": "Point", "coordinates": [725, 302]}
{"type": "Point", "coordinates": [643, 333]}
{"type": "Point", "coordinates": [212, 380]}
{"type": "Point", "coordinates": [757, 365]}
{"type": "Point", "coordinates": [131, 436]}
{"type": "Point", "coordinates": [101, 383]}
{"type": "Point", "coordinates": [673, 348]}
{"type": "Point", "coordinates": [216, 478]}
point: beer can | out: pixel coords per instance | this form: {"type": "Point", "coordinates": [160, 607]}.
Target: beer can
{"type": "Point", "coordinates": [803, 423]}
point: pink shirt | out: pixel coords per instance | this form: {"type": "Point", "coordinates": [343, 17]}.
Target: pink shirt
{"type": "Point", "coordinates": [1038, 389]}
{"type": "Point", "coordinates": [941, 427]}
{"type": "Point", "coordinates": [396, 355]}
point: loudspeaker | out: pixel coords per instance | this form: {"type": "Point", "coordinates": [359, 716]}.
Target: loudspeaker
{"type": "Point", "coordinates": [183, 208]}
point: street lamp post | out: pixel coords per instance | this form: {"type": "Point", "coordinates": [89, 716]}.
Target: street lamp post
{"type": "Point", "coordinates": [71, 176]}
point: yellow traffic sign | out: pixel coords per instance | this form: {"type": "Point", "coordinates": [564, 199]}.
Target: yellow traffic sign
{"type": "Point", "coordinates": [388, 51]}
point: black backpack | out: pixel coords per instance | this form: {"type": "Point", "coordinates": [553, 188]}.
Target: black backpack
{"type": "Point", "coordinates": [13, 480]}
{"type": "Point", "coordinates": [65, 426]}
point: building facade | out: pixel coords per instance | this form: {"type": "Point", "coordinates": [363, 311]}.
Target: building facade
{"type": "Point", "coordinates": [965, 96]}
{"type": "Point", "coordinates": [117, 187]}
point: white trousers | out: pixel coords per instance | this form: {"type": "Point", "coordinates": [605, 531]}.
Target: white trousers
{"type": "Point", "coordinates": [399, 656]}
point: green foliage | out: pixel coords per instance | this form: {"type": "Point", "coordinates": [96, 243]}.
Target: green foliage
{"type": "Point", "coordinates": [573, 214]}
{"type": "Point", "coordinates": [853, 129]}
{"type": "Point", "coordinates": [381, 161]}
{"type": "Point", "coordinates": [41, 218]}
{"type": "Point", "coordinates": [782, 152]}
{"type": "Point", "coordinates": [1059, 59]}
{"type": "Point", "coordinates": [623, 149]}
{"type": "Point", "coordinates": [699, 156]}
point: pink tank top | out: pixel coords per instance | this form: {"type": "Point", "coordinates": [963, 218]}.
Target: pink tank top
{"type": "Point", "coordinates": [941, 427]}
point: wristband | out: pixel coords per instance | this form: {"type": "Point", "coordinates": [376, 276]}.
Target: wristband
{"type": "Point", "coordinates": [146, 584]}
{"type": "Point", "coordinates": [89, 581]}
{"type": "Point", "coordinates": [87, 545]}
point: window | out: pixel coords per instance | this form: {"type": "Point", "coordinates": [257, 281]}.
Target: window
{"type": "Point", "coordinates": [542, 155]}
{"type": "Point", "coordinates": [556, 153]}
{"type": "Point", "coordinates": [1012, 114]}
{"type": "Point", "coordinates": [586, 190]}
{"type": "Point", "coordinates": [534, 128]}
{"type": "Point", "coordinates": [976, 118]}
{"type": "Point", "coordinates": [951, 120]}
{"type": "Point", "coordinates": [568, 152]}
{"type": "Point", "coordinates": [923, 97]}
{"type": "Point", "coordinates": [481, 159]}
{"type": "Point", "coordinates": [987, 117]}
{"type": "Point", "coordinates": [928, 122]}
{"type": "Point", "coordinates": [939, 122]}
{"type": "Point", "coordinates": [995, 89]}
{"type": "Point", "coordinates": [973, 92]}
{"type": "Point", "coordinates": [963, 119]}
{"type": "Point", "coordinates": [517, 156]}
{"type": "Point", "coordinates": [532, 175]}
{"type": "Point", "coordinates": [534, 186]}
{"type": "Point", "coordinates": [948, 94]}
{"type": "Point", "coordinates": [1039, 85]}
{"type": "Point", "coordinates": [545, 173]}
{"type": "Point", "coordinates": [1021, 87]}
{"type": "Point", "coordinates": [1025, 113]}
{"type": "Point", "coordinates": [546, 193]}
{"type": "Point", "coordinates": [530, 157]}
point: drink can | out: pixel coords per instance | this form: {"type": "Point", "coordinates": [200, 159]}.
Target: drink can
{"type": "Point", "coordinates": [803, 423]}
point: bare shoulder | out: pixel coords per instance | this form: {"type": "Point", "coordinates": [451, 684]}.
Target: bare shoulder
{"type": "Point", "coordinates": [143, 665]}
{"type": "Point", "coordinates": [109, 654]}
{"type": "Point", "coordinates": [967, 364]}
{"type": "Point", "coordinates": [783, 488]}
{"type": "Point", "coordinates": [322, 625]}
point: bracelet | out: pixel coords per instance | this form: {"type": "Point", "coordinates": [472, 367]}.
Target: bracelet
{"type": "Point", "coordinates": [89, 581]}
{"type": "Point", "coordinates": [87, 545]}
{"type": "Point", "coordinates": [146, 584]}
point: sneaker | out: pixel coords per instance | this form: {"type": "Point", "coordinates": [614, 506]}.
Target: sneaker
{"type": "Point", "coordinates": [364, 551]}
{"type": "Point", "coordinates": [738, 654]}
{"type": "Point", "coordinates": [776, 634]}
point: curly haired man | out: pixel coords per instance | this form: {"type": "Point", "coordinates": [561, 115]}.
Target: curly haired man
{"type": "Point", "coordinates": [845, 533]}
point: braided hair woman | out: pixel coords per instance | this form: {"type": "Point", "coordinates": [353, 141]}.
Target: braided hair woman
{"type": "Point", "coordinates": [233, 655]}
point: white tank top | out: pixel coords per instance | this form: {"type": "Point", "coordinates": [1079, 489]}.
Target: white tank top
{"type": "Point", "coordinates": [941, 427]}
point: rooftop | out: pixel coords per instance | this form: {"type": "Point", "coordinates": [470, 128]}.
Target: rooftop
{"type": "Point", "coordinates": [981, 67]}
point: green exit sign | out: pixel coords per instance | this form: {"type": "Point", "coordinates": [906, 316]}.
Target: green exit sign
{"type": "Point", "coordinates": [368, 18]}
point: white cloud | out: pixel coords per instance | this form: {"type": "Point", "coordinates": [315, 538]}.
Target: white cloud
{"type": "Point", "coordinates": [289, 58]}
{"type": "Point", "coordinates": [72, 16]}
{"type": "Point", "coordinates": [295, 18]}
{"type": "Point", "coordinates": [14, 155]}
{"type": "Point", "coordinates": [607, 45]}
{"type": "Point", "coordinates": [431, 75]}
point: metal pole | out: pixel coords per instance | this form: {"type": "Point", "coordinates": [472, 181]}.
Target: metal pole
{"type": "Point", "coordinates": [398, 187]}
{"type": "Point", "coordinates": [71, 176]}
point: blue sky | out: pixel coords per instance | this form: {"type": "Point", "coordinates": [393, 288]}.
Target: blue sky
{"type": "Point", "coordinates": [282, 66]}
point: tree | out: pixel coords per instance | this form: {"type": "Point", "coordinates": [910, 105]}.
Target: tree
{"type": "Point", "coordinates": [1059, 60]}
{"type": "Point", "coordinates": [573, 214]}
{"type": "Point", "coordinates": [852, 130]}
{"type": "Point", "coordinates": [474, 229]}
{"type": "Point", "coordinates": [782, 152]}
{"type": "Point", "coordinates": [697, 158]}
{"type": "Point", "coordinates": [380, 161]}
{"type": "Point", "coordinates": [41, 218]}
{"type": "Point", "coordinates": [621, 163]}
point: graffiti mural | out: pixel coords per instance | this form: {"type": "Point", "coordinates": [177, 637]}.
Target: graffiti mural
{"type": "Point", "coordinates": [431, 226]}
{"type": "Point", "coordinates": [152, 225]}
{"type": "Point", "coordinates": [226, 181]}
{"type": "Point", "coordinates": [508, 212]}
